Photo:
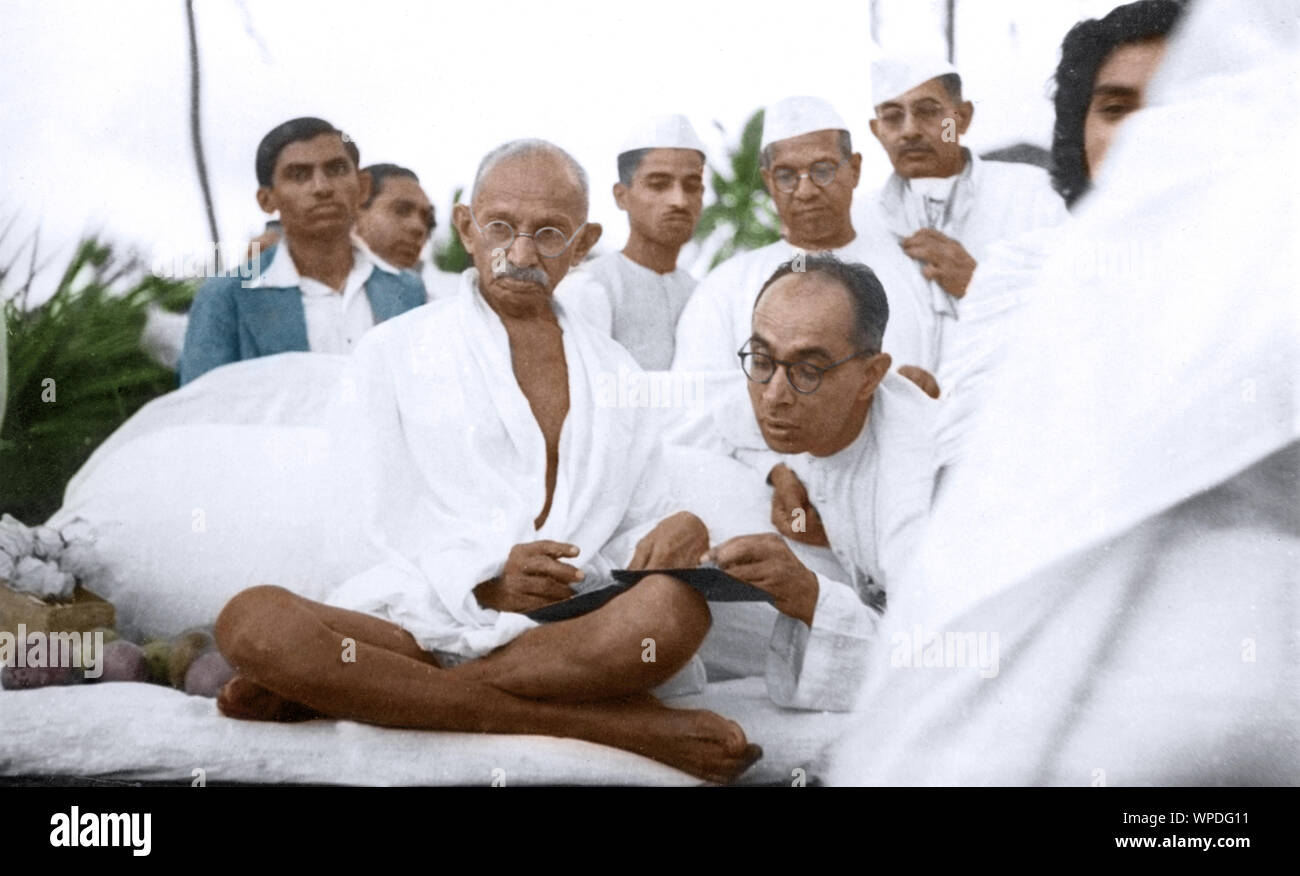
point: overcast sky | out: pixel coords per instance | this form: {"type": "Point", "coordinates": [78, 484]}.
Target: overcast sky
{"type": "Point", "coordinates": [95, 96]}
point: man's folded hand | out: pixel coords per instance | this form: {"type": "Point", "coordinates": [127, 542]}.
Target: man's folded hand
{"type": "Point", "coordinates": [921, 378]}
{"type": "Point", "coordinates": [792, 514]}
{"type": "Point", "coordinates": [943, 260]}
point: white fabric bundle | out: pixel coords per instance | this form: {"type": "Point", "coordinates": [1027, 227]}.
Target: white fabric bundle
{"type": "Point", "coordinates": [43, 561]}
{"type": "Point", "coordinates": [224, 484]}
{"type": "Point", "coordinates": [1124, 517]}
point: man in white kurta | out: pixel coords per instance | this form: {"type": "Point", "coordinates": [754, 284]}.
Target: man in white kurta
{"type": "Point", "coordinates": [861, 446]}
{"type": "Point", "coordinates": [943, 206]}
{"type": "Point", "coordinates": [457, 483]}
{"type": "Point", "coordinates": [806, 148]}
{"type": "Point", "coordinates": [637, 295]}
{"type": "Point", "coordinates": [485, 460]}
{"type": "Point", "coordinates": [635, 305]}
{"type": "Point", "coordinates": [872, 498]}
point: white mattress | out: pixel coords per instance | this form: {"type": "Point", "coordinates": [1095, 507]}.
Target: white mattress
{"type": "Point", "coordinates": [144, 732]}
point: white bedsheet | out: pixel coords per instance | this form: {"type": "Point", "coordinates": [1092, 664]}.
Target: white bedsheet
{"type": "Point", "coordinates": [144, 732]}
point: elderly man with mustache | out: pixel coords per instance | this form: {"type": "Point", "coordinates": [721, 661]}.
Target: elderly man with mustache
{"type": "Point", "coordinates": [943, 206]}
{"type": "Point", "coordinates": [486, 465]}
{"type": "Point", "coordinates": [811, 172]}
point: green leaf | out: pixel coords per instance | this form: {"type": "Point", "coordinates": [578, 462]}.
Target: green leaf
{"type": "Point", "coordinates": [740, 201]}
{"type": "Point", "coordinates": [86, 338]}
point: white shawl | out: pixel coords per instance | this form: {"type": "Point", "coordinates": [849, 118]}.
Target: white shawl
{"type": "Point", "coordinates": [453, 467]}
{"type": "Point", "coordinates": [1124, 518]}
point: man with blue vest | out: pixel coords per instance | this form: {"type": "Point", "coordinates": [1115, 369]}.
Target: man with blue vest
{"type": "Point", "coordinates": [306, 292]}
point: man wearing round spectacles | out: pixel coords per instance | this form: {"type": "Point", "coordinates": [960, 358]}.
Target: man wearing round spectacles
{"type": "Point", "coordinates": [811, 171]}
{"type": "Point", "coordinates": [943, 206]}
{"type": "Point", "coordinates": [855, 444]}
{"type": "Point", "coordinates": [455, 426]}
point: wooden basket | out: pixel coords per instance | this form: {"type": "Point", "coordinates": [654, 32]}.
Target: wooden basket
{"type": "Point", "coordinates": [84, 612]}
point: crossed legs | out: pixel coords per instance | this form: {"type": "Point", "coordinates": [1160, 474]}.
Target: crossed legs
{"type": "Point", "coordinates": [584, 678]}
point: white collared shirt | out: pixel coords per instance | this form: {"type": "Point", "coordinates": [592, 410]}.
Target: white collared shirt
{"type": "Point", "coordinates": [335, 321]}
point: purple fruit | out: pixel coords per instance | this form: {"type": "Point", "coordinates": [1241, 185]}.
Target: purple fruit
{"type": "Point", "coordinates": [25, 677]}
{"type": "Point", "coordinates": [208, 674]}
{"type": "Point", "coordinates": [182, 651]}
{"type": "Point", "coordinates": [124, 661]}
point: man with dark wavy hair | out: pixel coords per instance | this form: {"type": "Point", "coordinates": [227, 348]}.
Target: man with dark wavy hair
{"type": "Point", "coordinates": [1101, 79]}
{"type": "Point", "coordinates": [316, 290]}
{"type": "Point", "coordinates": [396, 222]}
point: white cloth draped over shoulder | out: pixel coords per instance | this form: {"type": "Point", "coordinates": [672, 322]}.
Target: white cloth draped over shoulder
{"type": "Point", "coordinates": [451, 468]}
{"type": "Point", "coordinates": [1154, 359]}
{"type": "Point", "coordinates": [1125, 514]}
{"type": "Point", "coordinates": [974, 344]}
{"type": "Point", "coordinates": [717, 319]}
{"type": "Point", "coordinates": [874, 501]}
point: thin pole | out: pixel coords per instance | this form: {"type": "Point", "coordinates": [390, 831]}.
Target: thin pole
{"type": "Point", "coordinates": [950, 28]}
{"type": "Point", "coordinates": [196, 133]}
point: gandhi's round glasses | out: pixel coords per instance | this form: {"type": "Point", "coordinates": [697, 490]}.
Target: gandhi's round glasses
{"type": "Point", "coordinates": [550, 242]}
{"type": "Point", "coordinates": [804, 377]}
{"type": "Point", "coordinates": [820, 172]}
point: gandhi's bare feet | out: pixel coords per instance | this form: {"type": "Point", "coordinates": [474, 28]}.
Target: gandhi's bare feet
{"type": "Point", "coordinates": [249, 701]}
{"type": "Point", "coordinates": [699, 742]}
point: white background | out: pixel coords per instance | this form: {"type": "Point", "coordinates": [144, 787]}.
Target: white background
{"type": "Point", "coordinates": [94, 97]}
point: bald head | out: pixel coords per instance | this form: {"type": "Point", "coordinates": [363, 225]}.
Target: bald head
{"type": "Point", "coordinates": [531, 151]}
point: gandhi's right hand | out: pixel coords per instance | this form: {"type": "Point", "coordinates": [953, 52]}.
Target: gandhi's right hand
{"type": "Point", "coordinates": [788, 497]}
{"type": "Point", "coordinates": [533, 577]}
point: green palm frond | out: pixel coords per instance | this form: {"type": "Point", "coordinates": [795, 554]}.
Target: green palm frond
{"type": "Point", "coordinates": [76, 373]}
{"type": "Point", "coordinates": [741, 203]}
{"type": "Point", "coordinates": [452, 255]}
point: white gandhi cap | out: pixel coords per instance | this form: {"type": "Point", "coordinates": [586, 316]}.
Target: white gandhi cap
{"type": "Point", "coordinates": [663, 132]}
{"type": "Point", "coordinates": [796, 116]}
{"type": "Point", "coordinates": [894, 75]}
